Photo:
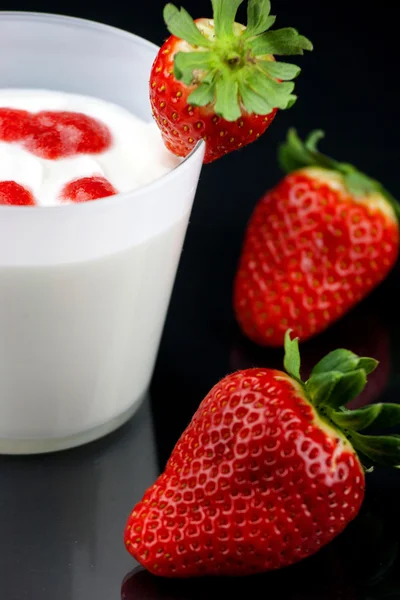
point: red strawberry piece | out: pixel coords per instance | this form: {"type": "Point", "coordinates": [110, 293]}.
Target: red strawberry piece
{"type": "Point", "coordinates": [316, 245]}
{"type": "Point", "coordinates": [14, 124]}
{"type": "Point", "coordinates": [54, 134]}
{"type": "Point", "coordinates": [13, 193]}
{"type": "Point", "coordinates": [58, 134]}
{"type": "Point", "coordinates": [218, 81]}
{"type": "Point", "coordinates": [87, 188]}
{"type": "Point", "coordinates": [266, 473]}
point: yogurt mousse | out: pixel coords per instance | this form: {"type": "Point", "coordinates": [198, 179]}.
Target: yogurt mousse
{"type": "Point", "coordinates": [83, 298]}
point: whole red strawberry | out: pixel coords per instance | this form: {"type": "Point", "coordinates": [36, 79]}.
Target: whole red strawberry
{"type": "Point", "coordinates": [316, 244]}
{"type": "Point", "coordinates": [266, 473]}
{"type": "Point", "coordinates": [216, 80]}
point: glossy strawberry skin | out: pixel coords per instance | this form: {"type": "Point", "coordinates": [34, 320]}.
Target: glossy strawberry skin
{"type": "Point", "coordinates": [311, 252]}
{"type": "Point", "coordinates": [253, 484]}
{"type": "Point", "coordinates": [183, 125]}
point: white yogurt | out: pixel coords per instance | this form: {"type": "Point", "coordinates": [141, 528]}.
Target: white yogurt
{"type": "Point", "coordinates": [79, 341]}
{"type": "Point", "coordinates": [136, 157]}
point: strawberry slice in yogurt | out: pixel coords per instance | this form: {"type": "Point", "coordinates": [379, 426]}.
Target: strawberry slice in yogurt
{"type": "Point", "coordinates": [14, 194]}
{"type": "Point", "coordinates": [87, 188]}
{"type": "Point", "coordinates": [54, 134]}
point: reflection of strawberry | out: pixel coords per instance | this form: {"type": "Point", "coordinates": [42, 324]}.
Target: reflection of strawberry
{"type": "Point", "coordinates": [15, 194]}
{"type": "Point", "coordinates": [217, 80]}
{"type": "Point", "coordinates": [371, 547]}
{"type": "Point", "coordinates": [264, 475]}
{"type": "Point", "coordinates": [316, 244]}
{"type": "Point", "coordinates": [140, 585]}
{"type": "Point", "coordinates": [302, 585]}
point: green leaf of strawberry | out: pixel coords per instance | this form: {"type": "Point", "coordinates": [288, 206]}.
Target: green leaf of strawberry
{"type": "Point", "coordinates": [291, 361]}
{"type": "Point", "coordinates": [279, 70]}
{"type": "Point", "coordinates": [181, 24]}
{"type": "Point", "coordinates": [344, 361]}
{"type": "Point", "coordinates": [258, 17]}
{"type": "Point", "coordinates": [380, 415]}
{"type": "Point", "coordinates": [348, 387]}
{"type": "Point", "coordinates": [321, 386]}
{"type": "Point", "coordinates": [336, 380]}
{"type": "Point", "coordinates": [382, 450]}
{"type": "Point", "coordinates": [217, 80]}
{"type": "Point", "coordinates": [281, 42]}
{"type": "Point", "coordinates": [224, 17]}
{"type": "Point", "coordinates": [235, 51]}
{"type": "Point", "coordinates": [185, 62]}
{"type": "Point", "coordinates": [265, 474]}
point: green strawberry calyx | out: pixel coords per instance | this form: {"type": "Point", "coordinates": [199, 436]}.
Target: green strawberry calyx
{"type": "Point", "coordinates": [336, 380]}
{"type": "Point", "coordinates": [295, 154]}
{"type": "Point", "coordinates": [231, 66]}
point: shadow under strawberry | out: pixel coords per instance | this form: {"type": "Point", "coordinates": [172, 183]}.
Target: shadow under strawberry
{"type": "Point", "coordinates": [321, 576]}
{"type": "Point", "coordinates": [370, 548]}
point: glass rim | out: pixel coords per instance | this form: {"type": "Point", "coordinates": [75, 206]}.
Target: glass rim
{"type": "Point", "coordinates": [120, 197]}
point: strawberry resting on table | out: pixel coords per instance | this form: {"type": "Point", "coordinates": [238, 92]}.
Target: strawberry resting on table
{"type": "Point", "coordinates": [269, 470]}
{"type": "Point", "coordinates": [218, 81]}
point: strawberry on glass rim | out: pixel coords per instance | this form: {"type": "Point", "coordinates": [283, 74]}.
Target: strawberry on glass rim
{"type": "Point", "coordinates": [315, 245]}
{"type": "Point", "coordinates": [269, 470]}
{"type": "Point", "coordinates": [217, 80]}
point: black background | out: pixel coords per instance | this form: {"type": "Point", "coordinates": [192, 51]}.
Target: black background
{"type": "Point", "coordinates": [349, 88]}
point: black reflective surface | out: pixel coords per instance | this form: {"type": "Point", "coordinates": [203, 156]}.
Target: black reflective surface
{"type": "Point", "coordinates": [62, 515]}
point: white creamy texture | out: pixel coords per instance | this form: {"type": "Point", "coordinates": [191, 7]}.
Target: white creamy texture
{"type": "Point", "coordinates": [136, 157]}
{"type": "Point", "coordinates": [78, 341]}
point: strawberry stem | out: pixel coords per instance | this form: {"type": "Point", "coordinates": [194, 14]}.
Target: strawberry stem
{"type": "Point", "coordinates": [233, 64]}
{"type": "Point", "coordinates": [294, 154]}
{"type": "Point", "coordinates": [336, 380]}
